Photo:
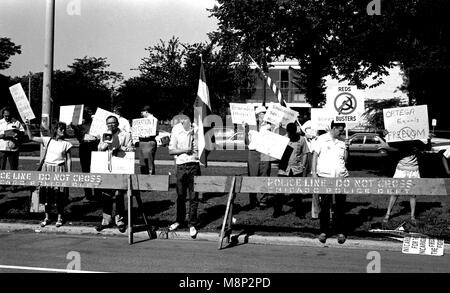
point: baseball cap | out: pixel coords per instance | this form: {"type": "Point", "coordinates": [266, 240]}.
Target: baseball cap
{"type": "Point", "coordinates": [260, 109]}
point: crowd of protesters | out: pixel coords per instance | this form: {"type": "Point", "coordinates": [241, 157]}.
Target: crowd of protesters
{"type": "Point", "coordinates": [309, 154]}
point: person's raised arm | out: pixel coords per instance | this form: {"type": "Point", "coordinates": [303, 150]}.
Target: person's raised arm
{"type": "Point", "coordinates": [30, 135]}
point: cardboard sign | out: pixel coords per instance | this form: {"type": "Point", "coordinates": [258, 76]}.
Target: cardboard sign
{"type": "Point", "coordinates": [277, 114]}
{"type": "Point", "coordinates": [22, 104]}
{"type": "Point", "coordinates": [321, 118]}
{"type": "Point", "coordinates": [103, 163]}
{"type": "Point", "coordinates": [71, 114]}
{"type": "Point", "coordinates": [346, 103]}
{"type": "Point", "coordinates": [143, 127]}
{"type": "Point", "coordinates": [423, 246]}
{"type": "Point", "coordinates": [270, 143]}
{"type": "Point", "coordinates": [98, 126]}
{"type": "Point", "coordinates": [406, 123]}
{"type": "Point", "coordinates": [243, 113]}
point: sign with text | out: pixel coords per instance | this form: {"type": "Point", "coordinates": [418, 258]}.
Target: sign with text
{"type": "Point", "coordinates": [243, 113]}
{"type": "Point", "coordinates": [271, 144]}
{"type": "Point", "coordinates": [22, 104]}
{"type": "Point", "coordinates": [103, 162]}
{"type": "Point", "coordinates": [406, 123]}
{"type": "Point", "coordinates": [346, 103]}
{"type": "Point", "coordinates": [143, 127]}
{"type": "Point", "coordinates": [72, 114]}
{"type": "Point", "coordinates": [423, 246]}
{"type": "Point", "coordinates": [321, 118]}
{"type": "Point", "coordinates": [98, 126]}
{"type": "Point", "coordinates": [277, 114]}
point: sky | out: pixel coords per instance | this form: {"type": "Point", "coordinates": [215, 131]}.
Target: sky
{"type": "Point", "coordinates": [119, 30]}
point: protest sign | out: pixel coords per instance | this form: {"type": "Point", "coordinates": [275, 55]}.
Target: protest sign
{"type": "Point", "coordinates": [321, 118]}
{"type": "Point", "coordinates": [22, 104]}
{"type": "Point", "coordinates": [144, 127]}
{"type": "Point", "coordinates": [72, 114]}
{"type": "Point", "coordinates": [98, 126]}
{"type": "Point", "coordinates": [243, 113]}
{"type": "Point", "coordinates": [270, 143]}
{"type": "Point", "coordinates": [423, 245]}
{"type": "Point", "coordinates": [102, 162]}
{"type": "Point", "coordinates": [277, 114]}
{"type": "Point", "coordinates": [346, 103]}
{"type": "Point", "coordinates": [406, 123]}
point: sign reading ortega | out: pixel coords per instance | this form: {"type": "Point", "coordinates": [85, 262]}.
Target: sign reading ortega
{"type": "Point", "coordinates": [406, 123]}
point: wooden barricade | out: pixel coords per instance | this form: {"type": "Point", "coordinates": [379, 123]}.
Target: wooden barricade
{"type": "Point", "coordinates": [133, 184]}
{"type": "Point", "coordinates": [309, 185]}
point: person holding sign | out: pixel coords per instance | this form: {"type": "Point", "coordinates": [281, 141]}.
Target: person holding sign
{"type": "Point", "coordinates": [57, 159]}
{"type": "Point", "coordinates": [124, 124]}
{"type": "Point", "coordinates": [147, 146]}
{"type": "Point", "coordinates": [11, 132]}
{"type": "Point", "coordinates": [329, 159]}
{"type": "Point", "coordinates": [114, 141]}
{"type": "Point", "coordinates": [184, 147]}
{"type": "Point", "coordinates": [257, 164]}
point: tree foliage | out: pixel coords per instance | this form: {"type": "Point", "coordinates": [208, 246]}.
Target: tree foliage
{"type": "Point", "coordinates": [7, 49]}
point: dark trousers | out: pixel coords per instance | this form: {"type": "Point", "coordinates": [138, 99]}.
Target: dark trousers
{"type": "Point", "coordinates": [57, 196]}
{"type": "Point", "coordinates": [185, 187]}
{"type": "Point", "coordinates": [12, 157]}
{"type": "Point", "coordinates": [147, 152]}
{"type": "Point", "coordinates": [326, 201]}
{"type": "Point", "coordinates": [85, 155]}
{"type": "Point", "coordinates": [279, 198]}
{"type": "Point", "coordinates": [111, 197]}
{"type": "Point", "coordinates": [256, 167]}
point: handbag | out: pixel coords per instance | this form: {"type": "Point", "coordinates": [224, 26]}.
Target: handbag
{"type": "Point", "coordinates": [37, 197]}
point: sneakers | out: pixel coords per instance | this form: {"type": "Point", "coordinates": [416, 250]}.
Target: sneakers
{"type": "Point", "coordinates": [174, 226]}
{"type": "Point", "coordinates": [121, 224]}
{"type": "Point", "coordinates": [45, 222]}
{"type": "Point", "coordinates": [322, 237]}
{"type": "Point", "coordinates": [193, 232]}
{"type": "Point", "coordinates": [59, 223]}
{"type": "Point", "coordinates": [341, 238]}
{"type": "Point", "coordinates": [105, 224]}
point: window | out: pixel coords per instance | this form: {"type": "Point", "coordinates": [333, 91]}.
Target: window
{"type": "Point", "coordinates": [357, 140]}
{"type": "Point", "coordinates": [372, 140]}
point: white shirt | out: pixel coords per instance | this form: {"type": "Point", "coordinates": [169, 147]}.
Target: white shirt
{"type": "Point", "coordinates": [182, 139]}
{"type": "Point", "coordinates": [124, 124]}
{"type": "Point", "coordinates": [57, 150]}
{"type": "Point", "coordinates": [330, 160]}
{"type": "Point", "coordinates": [6, 144]}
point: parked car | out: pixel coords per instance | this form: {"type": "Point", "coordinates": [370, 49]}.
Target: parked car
{"type": "Point", "coordinates": [370, 144]}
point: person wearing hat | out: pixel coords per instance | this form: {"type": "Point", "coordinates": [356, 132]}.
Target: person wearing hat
{"type": "Point", "coordinates": [147, 146]}
{"type": "Point", "coordinates": [257, 164]}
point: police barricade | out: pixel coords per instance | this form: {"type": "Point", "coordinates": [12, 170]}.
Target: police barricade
{"type": "Point", "coordinates": [309, 185]}
{"type": "Point", "coordinates": [127, 182]}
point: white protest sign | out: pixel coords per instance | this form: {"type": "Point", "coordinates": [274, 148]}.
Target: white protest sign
{"type": "Point", "coordinates": [321, 118]}
{"type": "Point", "coordinates": [346, 103]}
{"type": "Point", "coordinates": [116, 165]}
{"type": "Point", "coordinates": [423, 246]}
{"type": "Point", "coordinates": [277, 114]}
{"type": "Point", "coordinates": [144, 127]}
{"type": "Point", "coordinates": [406, 123]}
{"type": "Point", "coordinates": [22, 104]}
{"type": "Point", "coordinates": [71, 114]}
{"type": "Point", "coordinates": [98, 125]}
{"type": "Point", "coordinates": [270, 143]}
{"type": "Point", "coordinates": [243, 113]}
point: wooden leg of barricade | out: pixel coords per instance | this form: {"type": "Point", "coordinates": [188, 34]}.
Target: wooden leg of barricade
{"type": "Point", "coordinates": [130, 208]}
{"type": "Point", "coordinates": [226, 225]}
{"type": "Point", "coordinates": [141, 210]}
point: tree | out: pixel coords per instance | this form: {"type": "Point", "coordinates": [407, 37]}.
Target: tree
{"type": "Point", "coordinates": [7, 49]}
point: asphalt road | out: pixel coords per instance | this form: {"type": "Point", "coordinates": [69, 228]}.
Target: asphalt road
{"type": "Point", "coordinates": [35, 252]}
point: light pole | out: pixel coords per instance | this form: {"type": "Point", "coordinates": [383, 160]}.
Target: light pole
{"type": "Point", "coordinates": [48, 64]}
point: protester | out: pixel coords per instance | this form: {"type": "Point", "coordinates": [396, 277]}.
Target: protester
{"type": "Point", "coordinates": [147, 147]}
{"type": "Point", "coordinates": [116, 142]}
{"type": "Point", "coordinates": [57, 159]}
{"type": "Point", "coordinates": [124, 124]}
{"type": "Point", "coordinates": [407, 167]}
{"type": "Point", "coordinates": [184, 147]}
{"type": "Point", "coordinates": [292, 166]}
{"type": "Point", "coordinates": [310, 136]}
{"type": "Point", "coordinates": [257, 164]}
{"type": "Point", "coordinates": [88, 144]}
{"type": "Point", "coordinates": [11, 132]}
{"type": "Point", "coordinates": [329, 159]}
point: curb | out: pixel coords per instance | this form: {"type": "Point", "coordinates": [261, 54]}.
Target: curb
{"type": "Point", "coordinates": [214, 237]}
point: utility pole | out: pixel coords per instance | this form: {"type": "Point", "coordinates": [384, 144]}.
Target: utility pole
{"type": "Point", "coordinates": [48, 65]}
{"type": "Point", "coordinates": [29, 87]}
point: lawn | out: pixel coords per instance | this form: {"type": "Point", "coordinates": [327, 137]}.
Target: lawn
{"type": "Point", "coordinates": [363, 212]}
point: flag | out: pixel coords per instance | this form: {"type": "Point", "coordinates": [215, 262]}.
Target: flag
{"type": "Point", "coordinates": [202, 108]}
